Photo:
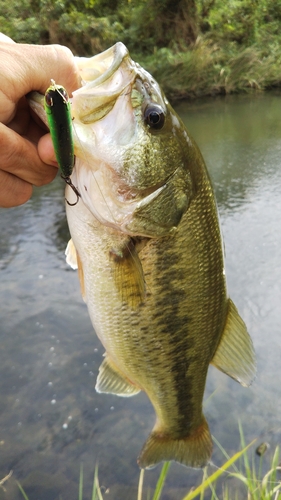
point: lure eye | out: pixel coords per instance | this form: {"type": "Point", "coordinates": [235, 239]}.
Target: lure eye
{"type": "Point", "coordinates": [48, 99]}
{"type": "Point", "coordinates": [154, 116]}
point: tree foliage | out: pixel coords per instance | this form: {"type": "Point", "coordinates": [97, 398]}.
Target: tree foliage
{"type": "Point", "coordinates": [214, 45]}
{"type": "Point", "coordinates": [143, 24]}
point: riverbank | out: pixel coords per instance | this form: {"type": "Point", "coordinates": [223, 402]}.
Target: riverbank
{"type": "Point", "coordinates": [193, 49]}
{"type": "Point", "coordinates": [209, 69]}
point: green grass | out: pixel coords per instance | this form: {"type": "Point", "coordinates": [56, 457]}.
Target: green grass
{"type": "Point", "coordinates": [256, 485]}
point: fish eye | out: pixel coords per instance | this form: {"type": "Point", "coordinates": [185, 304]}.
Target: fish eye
{"type": "Point", "coordinates": [154, 116]}
{"type": "Point", "coordinates": [48, 99]}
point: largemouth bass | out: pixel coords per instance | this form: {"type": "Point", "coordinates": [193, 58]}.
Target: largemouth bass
{"type": "Point", "coordinates": [146, 241]}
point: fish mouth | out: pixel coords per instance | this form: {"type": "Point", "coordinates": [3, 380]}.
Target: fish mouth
{"type": "Point", "coordinates": [105, 77]}
{"type": "Point", "coordinates": [99, 68]}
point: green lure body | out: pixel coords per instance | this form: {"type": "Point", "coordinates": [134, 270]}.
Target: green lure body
{"type": "Point", "coordinates": [58, 111]}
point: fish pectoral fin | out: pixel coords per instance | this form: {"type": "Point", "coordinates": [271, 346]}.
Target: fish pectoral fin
{"type": "Point", "coordinates": [193, 450]}
{"type": "Point", "coordinates": [71, 255]}
{"type": "Point", "coordinates": [74, 261]}
{"type": "Point", "coordinates": [111, 380]}
{"type": "Point", "coordinates": [81, 277]}
{"type": "Point", "coordinates": [235, 353]}
{"type": "Point", "coordinates": [128, 274]}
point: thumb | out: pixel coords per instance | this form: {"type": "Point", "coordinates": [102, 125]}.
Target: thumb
{"type": "Point", "coordinates": [46, 150]}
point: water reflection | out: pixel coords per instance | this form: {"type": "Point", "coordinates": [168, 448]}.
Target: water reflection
{"type": "Point", "coordinates": [51, 418]}
{"type": "Point", "coordinates": [240, 139]}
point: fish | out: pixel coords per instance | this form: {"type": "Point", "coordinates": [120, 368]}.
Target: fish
{"type": "Point", "coordinates": [146, 240]}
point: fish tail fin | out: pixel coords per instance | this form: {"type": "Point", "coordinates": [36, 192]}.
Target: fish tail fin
{"type": "Point", "coordinates": [193, 451]}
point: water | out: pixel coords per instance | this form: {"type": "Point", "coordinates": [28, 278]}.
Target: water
{"type": "Point", "coordinates": [51, 418]}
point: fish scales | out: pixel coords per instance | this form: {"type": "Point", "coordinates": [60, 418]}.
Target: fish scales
{"type": "Point", "coordinates": [183, 309]}
{"type": "Point", "coordinates": [147, 244]}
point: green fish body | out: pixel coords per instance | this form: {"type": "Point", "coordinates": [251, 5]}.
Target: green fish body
{"type": "Point", "coordinates": [147, 244]}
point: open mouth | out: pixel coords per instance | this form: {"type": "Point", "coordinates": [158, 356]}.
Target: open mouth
{"type": "Point", "coordinates": [104, 78]}
{"type": "Point", "coordinates": [98, 69]}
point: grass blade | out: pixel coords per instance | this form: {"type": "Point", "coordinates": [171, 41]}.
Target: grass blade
{"type": "Point", "coordinates": [217, 474]}
{"type": "Point", "coordinates": [224, 452]}
{"type": "Point", "coordinates": [140, 484]}
{"type": "Point", "coordinates": [22, 491]}
{"type": "Point", "coordinates": [161, 480]}
{"type": "Point", "coordinates": [96, 492]}
{"type": "Point", "coordinates": [205, 475]}
{"type": "Point", "coordinates": [80, 496]}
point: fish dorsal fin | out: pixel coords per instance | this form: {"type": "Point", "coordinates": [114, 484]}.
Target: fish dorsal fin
{"type": "Point", "coordinates": [71, 255]}
{"type": "Point", "coordinates": [235, 354]}
{"type": "Point", "coordinates": [74, 261]}
{"type": "Point", "coordinates": [111, 380]}
{"type": "Point", "coordinates": [128, 274]}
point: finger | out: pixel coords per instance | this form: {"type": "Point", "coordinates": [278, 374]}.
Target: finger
{"type": "Point", "coordinates": [19, 157]}
{"type": "Point", "coordinates": [32, 68]}
{"type": "Point", "coordinates": [5, 38]}
{"type": "Point", "coordinates": [46, 150]}
{"type": "Point", "coordinates": [13, 191]}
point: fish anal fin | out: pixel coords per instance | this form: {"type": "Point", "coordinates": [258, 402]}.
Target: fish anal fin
{"type": "Point", "coordinates": [128, 274]}
{"type": "Point", "coordinates": [112, 381]}
{"type": "Point", "coordinates": [235, 354]}
{"type": "Point", "coordinates": [192, 451]}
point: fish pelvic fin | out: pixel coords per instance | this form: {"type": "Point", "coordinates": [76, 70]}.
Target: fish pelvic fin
{"type": "Point", "coordinates": [112, 381]}
{"type": "Point", "coordinates": [128, 274]}
{"type": "Point", "coordinates": [235, 354]}
{"type": "Point", "coordinates": [192, 451]}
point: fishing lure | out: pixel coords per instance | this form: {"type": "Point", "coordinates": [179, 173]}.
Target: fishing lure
{"type": "Point", "coordinates": [58, 111]}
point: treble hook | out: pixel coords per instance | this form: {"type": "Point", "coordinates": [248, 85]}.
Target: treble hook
{"type": "Point", "coordinates": [69, 182]}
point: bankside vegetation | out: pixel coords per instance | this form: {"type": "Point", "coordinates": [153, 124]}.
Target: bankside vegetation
{"type": "Point", "coordinates": [254, 485]}
{"type": "Point", "coordinates": [192, 47]}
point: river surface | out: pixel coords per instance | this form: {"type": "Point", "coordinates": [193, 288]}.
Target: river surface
{"type": "Point", "coordinates": [51, 418]}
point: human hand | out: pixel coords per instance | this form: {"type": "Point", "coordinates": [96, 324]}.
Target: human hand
{"type": "Point", "coordinates": [26, 154]}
